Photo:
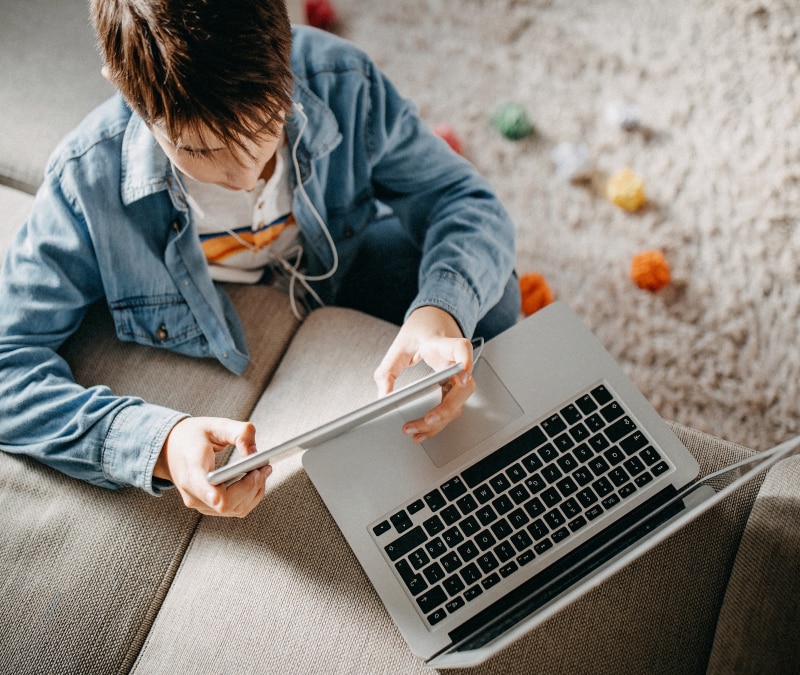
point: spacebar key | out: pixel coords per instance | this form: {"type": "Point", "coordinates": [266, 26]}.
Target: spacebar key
{"type": "Point", "coordinates": [503, 457]}
{"type": "Point", "coordinates": [405, 544]}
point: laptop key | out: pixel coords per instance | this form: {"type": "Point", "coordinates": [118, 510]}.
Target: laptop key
{"type": "Point", "coordinates": [471, 593]}
{"type": "Point", "coordinates": [634, 442]}
{"type": "Point", "coordinates": [490, 581]}
{"type": "Point", "coordinates": [577, 523]}
{"type": "Point", "coordinates": [437, 616]}
{"type": "Point", "coordinates": [450, 514]}
{"type": "Point", "coordinates": [483, 494]}
{"type": "Point", "coordinates": [571, 413]}
{"type": "Point", "coordinates": [532, 462]}
{"type": "Point", "coordinates": [611, 500]}
{"type": "Point", "coordinates": [643, 479]}
{"type": "Point", "coordinates": [612, 411]}
{"type": "Point", "coordinates": [468, 551]}
{"type": "Point", "coordinates": [554, 425]}
{"type": "Point", "coordinates": [487, 562]}
{"type": "Point", "coordinates": [521, 541]}
{"type": "Point", "coordinates": [538, 529]}
{"type": "Point", "coordinates": [415, 506]}
{"type": "Point", "coordinates": [433, 573]}
{"type": "Point", "coordinates": [467, 504]}
{"type": "Point", "coordinates": [470, 526]}
{"type": "Point", "coordinates": [601, 394]}
{"type": "Point", "coordinates": [548, 453]}
{"type": "Point", "coordinates": [431, 599]}
{"type": "Point", "coordinates": [433, 525]}
{"type": "Point", "coordinates": [382, 527]}
{"type": "Point", "coordinates": [405, 543]}
{"type": "Point", "coordinates": [503, 504]}
{"type": "Point", "coordinates": [436, 547]}
{"type": "Point", "coordinates": [634, 465]}
{"type": "Point", "coordinates": [650, 455]}
{"type": "Point", "coordinates": [593, 512]}
{"type": "Point", "coordinates": [470, 574]}
{"type": "Point", "coordinates": [500, 483]}
{"type": "Point", "coordinates": [454, 604]}
{"type": "Point", "coordinates": [586, 403]}
{"type": "Point", "coordinates": [501, 458]}
{"type": "Point", "coordinates": [453, 585]}
{"type": "Point", "coordinates": [434, 500]}
{"type": "Point", "coordinates": [543, 546]}
{"type": "Point", "coordinates": [452, 537]}
{"type": "Point", "coordinates": [453, 488]}
{"type": "Point", "coordinates": [450, 562]}
{"type": "Point", "coordinates": [534, 507]}
{"type": "Point", "coordinates": [526, 557]}
{"type": "Point", "coordinates": [551, 496]}
{"type": "Point", "coordinates": [620, 429]}
{"type": "Point", "coordinates": [401, 521]}
{"type": "Point", "coordinates": [507, 570]}
{"type": "Point", "coordinates": [660, 468]}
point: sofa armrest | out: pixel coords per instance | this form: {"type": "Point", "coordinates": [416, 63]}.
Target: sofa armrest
{"type": "Point", "coordinates": [757, 630]}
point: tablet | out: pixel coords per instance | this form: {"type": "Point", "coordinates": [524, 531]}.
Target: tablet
{"type": "Point", "coordinates": [233, 471]}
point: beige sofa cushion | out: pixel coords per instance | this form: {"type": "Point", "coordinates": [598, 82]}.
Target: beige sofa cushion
{"type": "Point", "coordinates": [281, 592]}
{"type": "Point", "coordinates": [762, 603]}
{"type": "Point", "coordinates": [85, 569]}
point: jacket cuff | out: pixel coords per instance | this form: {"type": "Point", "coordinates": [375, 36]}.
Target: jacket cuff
{"type": "Point", "coordinates": [133, 444]}
{"type": "Point", "coordinates": [451, 292]}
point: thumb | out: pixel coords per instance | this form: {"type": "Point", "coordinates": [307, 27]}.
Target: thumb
{"type": "Point", "coordinates": [242, 435]}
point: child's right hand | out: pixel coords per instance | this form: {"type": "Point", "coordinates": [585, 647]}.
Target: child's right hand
{"type": "Point", "coordinates": [188, 456]}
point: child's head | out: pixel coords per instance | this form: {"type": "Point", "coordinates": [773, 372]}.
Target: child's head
{"type": "Point", "coordinates": [216, 69]}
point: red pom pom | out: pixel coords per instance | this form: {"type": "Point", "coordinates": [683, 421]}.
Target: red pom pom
{"type": "Point", "coordinates": [536, 292]}
{"type": "Point", "coordinates": [320, 14]}
{"type": "Point", "coordinates": [447, 132]}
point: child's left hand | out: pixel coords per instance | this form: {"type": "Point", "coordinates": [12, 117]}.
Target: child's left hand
{"type": "Point", "coordinates": [432, 335]}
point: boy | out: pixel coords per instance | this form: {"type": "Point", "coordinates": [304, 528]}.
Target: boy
{"type": "Point", "coordinates": [237, 150]}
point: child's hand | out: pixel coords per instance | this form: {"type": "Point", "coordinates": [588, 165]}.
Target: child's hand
{"type": "Point", "coordinates": [188, 456]}
{"type": "Point", "coordinates": [432, 335]}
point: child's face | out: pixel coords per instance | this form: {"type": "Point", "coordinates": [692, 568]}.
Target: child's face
{"type": "Point", "coordinates": [202, 157]}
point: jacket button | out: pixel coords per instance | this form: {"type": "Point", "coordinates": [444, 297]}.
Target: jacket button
{"type": "Point", "coordinates": [348, 232]}
{"type": "Point", "coordinates": [161, 333]}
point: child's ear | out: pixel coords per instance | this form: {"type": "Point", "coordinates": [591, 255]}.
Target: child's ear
{"type": "Point", "coordinates": [106, 73]}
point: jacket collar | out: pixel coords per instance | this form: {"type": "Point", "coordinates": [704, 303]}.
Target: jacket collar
{"type": "Point", "coordinates": [146, 169]}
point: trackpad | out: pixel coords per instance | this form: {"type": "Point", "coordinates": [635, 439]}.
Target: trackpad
{"type": "Point", "coordinates": [488, 410]}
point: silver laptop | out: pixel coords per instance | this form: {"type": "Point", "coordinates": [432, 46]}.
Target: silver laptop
{"type": "Point", "coordinates": [557, 474]}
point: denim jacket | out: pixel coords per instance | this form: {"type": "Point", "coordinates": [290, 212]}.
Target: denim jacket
{"type": "Point", "coordinates": [110, 222]}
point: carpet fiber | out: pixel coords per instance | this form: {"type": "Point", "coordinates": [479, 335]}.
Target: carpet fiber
{"type": "Point", "coordinates": [718, 148]}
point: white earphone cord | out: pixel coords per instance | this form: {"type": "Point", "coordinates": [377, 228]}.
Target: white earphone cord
{"type": "Point", "coordinates": [291, 268]}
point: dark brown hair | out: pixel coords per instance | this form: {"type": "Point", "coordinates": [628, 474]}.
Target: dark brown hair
{"type": "Point", "coordinates": [216, 65]}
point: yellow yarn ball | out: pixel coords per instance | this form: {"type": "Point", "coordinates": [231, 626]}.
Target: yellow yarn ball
{"type": "Point", "coordinates": [626, 190]}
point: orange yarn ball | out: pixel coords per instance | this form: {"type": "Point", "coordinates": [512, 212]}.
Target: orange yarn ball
{"type": "Point", "coordinates": [535, 291]}
{"type": "Point", "coordinates": [650, 270]}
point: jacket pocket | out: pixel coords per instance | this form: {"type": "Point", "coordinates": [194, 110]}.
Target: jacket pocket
{"type": "Point", "coordinates": [163, 321]}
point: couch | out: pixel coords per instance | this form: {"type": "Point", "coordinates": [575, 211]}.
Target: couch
{"type": "Point", "coordinates": [98, 581]}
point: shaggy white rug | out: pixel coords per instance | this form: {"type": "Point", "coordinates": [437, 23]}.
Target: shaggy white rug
{"type": "Point", "coordinates": [715, 86]}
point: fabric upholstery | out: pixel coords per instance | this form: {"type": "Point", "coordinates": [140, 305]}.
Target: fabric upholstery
{"type": "Point", "coordinates": [281, 592]}
{"type": "Point", "coordinates": [195, 386]}
{"type": "Point", "coordinates": [51, 79]}
{"type": "Point", "coordinates": [85, 568]}
{"type": "Point", "coordinates": [762, 607]}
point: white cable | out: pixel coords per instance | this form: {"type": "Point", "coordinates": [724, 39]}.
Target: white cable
{"type": "Point", "coordinates": [291, 268]}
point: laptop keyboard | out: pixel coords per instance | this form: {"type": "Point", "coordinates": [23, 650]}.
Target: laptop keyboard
{"type": "Point", "coordinates": [480, 527]}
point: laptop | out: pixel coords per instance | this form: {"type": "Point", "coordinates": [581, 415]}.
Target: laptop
{"type": "Point", "coordinates": [557, 474]}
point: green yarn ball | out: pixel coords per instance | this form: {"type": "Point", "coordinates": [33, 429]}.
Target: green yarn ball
{"type": "Point", "coordinates": [513, 122]}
